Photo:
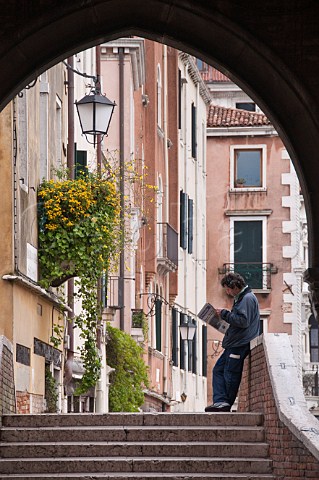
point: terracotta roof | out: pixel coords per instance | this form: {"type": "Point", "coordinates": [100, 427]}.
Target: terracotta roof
{"type": "Point", "coordinates": [233, 117]}
{"type": "Point", "coordinates": [213, 75]}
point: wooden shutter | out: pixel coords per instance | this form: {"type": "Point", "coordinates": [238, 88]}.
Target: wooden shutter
{"type": "Point", "coordinates": [190, 232]}
{"type": "Point", "coordinates": [158, 324]}
{"type": "Point", "coordinates": [182, 342]}
{"type": "Point", "coordinates": [204, 351]}
{"type": "Point", "coordinates": [174, 337]}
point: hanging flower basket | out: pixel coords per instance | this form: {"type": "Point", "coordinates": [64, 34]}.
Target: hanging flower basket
{"type": "Point", "coordinates": [78, 232]}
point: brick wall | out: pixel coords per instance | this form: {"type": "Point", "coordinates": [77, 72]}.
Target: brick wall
{"type": "Point", "coordinates": [291, 458]}
{"type": "Point", "coordinates": [29, 403]}
{"type": "Point", "coordinates": [7, 394]}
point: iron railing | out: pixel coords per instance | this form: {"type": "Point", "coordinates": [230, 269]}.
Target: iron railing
{"type": "Point", "coordinates": [167, 245]}
{"type": "Point", "coordinates": [310, 382]}
{"type": "Point", "coordinates": [257, 275]}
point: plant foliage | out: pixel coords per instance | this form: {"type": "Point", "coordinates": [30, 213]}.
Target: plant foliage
{"type": "Point", "coordinates": [130, 376]}
{"type": "Point", "coordinates": [78, 236]}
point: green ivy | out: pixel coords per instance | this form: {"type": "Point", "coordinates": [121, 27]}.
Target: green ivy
{"type": "Point", "coordinates": [51, 394]}
{"type": "Point", "coordinates": [131, 373]}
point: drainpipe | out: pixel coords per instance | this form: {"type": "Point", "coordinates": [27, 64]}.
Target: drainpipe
{"type": "Point", "coordinates": [68, 368]}
{"type": "Point", "coordinates": [166, 219]}
{"type": "Point", "coordinates": [121, 132]}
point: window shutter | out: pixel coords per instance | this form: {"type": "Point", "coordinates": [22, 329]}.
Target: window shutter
{"type": "Point", "coordinates": [204, 350]}
{"type": "Point", "coordinates": [183, 219]}
{"type": "Point", "coordinates": [174, 337]}
{"type": "Point", "coordinates": [182, 343]}
{"type": "Point", "coordinates": [158, 324]}
{"type": "Point", "coordinates": [80, 163]}
{"type": "Point", "coordinates": [194, 369]}
{"type": "Point", "coordinates": [194, 142]}
{"type": "Point", "coordinates": [190, 349]}
{"type": "Point", "coordinates": [190, 225]}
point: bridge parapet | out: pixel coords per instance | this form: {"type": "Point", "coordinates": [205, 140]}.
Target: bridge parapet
{"type": "Point", "coordinates": [271, 386]}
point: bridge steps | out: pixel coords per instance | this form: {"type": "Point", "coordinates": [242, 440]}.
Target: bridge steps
{"type": "Point", "coordinates": [165, 446]}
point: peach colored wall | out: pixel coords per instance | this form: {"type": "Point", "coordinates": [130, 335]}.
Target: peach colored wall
{"type": "Point", "coordinates": [219, 200]}
{"type": "Point", "coordinates": [6, 221]}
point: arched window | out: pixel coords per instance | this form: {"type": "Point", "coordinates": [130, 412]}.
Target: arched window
{"type": "Point", "coordinates": [313, 339]}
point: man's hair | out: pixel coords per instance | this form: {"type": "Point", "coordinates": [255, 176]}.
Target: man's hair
{"type": "Point", "coordinates": [232, 280]}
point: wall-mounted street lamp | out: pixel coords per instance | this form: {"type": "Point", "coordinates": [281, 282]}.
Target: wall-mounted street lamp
{"type": "Point", "coordinates": [187, 330]}
{"type": "Point", "coordinates": [94, 110]}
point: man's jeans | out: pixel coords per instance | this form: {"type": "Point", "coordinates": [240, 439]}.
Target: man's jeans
{"type": "Point", "coordinates": [227, 374]}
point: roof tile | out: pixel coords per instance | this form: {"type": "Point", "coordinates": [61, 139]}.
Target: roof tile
{"type": "Point", "coordinates": [233, 117]}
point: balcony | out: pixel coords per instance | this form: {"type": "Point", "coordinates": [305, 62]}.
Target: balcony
{"type": "Point", "coordinates": [257, 275]}
{"type": "Point", "coordinates": [167, 248]}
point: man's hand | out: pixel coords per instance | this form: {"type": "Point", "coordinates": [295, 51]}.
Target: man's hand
{"type": "Point", "coordinates": [218, 311]}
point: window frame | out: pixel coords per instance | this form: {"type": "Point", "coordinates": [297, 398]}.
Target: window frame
{"type": "Point", "coordinates": [233, 150]}
{"type": "Point", "coordinates": [248, 218]}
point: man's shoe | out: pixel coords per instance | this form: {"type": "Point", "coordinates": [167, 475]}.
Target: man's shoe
{"type": "Point", "coordinates": [218, 407]}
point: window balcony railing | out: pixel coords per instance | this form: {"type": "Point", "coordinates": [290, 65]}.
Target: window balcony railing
{"type": "Point", "coordinates": [257, 275]}
{"type": "Point", "coordinates": [167, 247]}
{"type": "Point", "coordinates": [110, 292]}
{"type": "Point", "coordinates": [310, 382]}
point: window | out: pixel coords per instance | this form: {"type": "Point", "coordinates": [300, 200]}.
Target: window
{"type": "Point", "coordinates": [183, 219]}
{"type": "Point", "coordinates": [248, 236]}
{"type": "Point", "coordinates": [204, 350]}
{"type": "Point", "coordinates": [190, 225]}
{"type": "Point", "coordinates": [158, 324]}
{"type": "Point", "coordinates": [194, 128]}
{"type": "Point", "coordinates": [175, 337]}
{"type": "Point", "coordinates": [313, 339]}
{"type": "Point", "coordinates": [248, 167]}
{"type": "Point", "coordinates": [23, 141]}
{"type": "Point", "coordinates": [80, 161]}
{"type": "Point", "coordinates": [249, 106]}
{"type": "Point", "coordinates": [182, 319]}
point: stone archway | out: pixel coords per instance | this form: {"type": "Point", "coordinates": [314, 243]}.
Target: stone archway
{"type": "Point", "coordinates": [271, 50]}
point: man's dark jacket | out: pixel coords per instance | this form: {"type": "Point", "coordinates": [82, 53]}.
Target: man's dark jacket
{"type": "Point", "coordinates": [244, 320]}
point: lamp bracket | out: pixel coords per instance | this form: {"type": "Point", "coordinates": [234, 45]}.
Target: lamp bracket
{"type": "Point", "coordinates": [151, 300]}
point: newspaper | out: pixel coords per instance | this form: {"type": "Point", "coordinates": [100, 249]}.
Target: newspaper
{"type": "Point", "coordinates": [209, 315]}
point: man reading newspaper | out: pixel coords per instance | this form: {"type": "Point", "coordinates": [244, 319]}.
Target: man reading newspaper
{"type": "Point", "coordinates": [243, 323]}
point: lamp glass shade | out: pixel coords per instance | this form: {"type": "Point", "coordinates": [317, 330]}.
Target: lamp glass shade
{"type": "Point", "coordinates": [95, 113]}
{"type": "Point", "coordinates": [187, 331]}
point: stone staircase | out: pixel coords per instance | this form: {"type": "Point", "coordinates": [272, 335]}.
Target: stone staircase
{"type": "Point", "coordinates": [161, 446]}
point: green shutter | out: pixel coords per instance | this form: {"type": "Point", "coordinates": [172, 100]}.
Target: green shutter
{"type": "Point", "coordinates": [194, 347]}
{"type": "Point", "coordinates": [158, 324]}
{"type": "Point", "coordinates": [204, 350]}
{"type": "Point", "coordinates": [182, 342]}
{"type": "Point", "coordinates": [174, 337]}
{"type": "Point", "coordinates": [190, 225]}
{"type": "Point", "coordinates": [80, 163]}
{"type": "Point", "coordinates": [183, 219]}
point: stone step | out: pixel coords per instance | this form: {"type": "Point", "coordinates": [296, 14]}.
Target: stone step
{"type": "Point", "coordinates": [133, 434]}
{"type": "Point", "coordinates": [135, 465]}
{"type": "Point", "coordinates": [140, 475]}
{"type": "Point", "coordinates": [132, 449]}
{"type": "Point", "coordinates": [135, 419]}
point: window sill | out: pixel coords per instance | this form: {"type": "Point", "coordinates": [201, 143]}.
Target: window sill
{"type": "Point", "coordinates": [247, 189]}
{"type": "Point", "coordinates": [264, 291]}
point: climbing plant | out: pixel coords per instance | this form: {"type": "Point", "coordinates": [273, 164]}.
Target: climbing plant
{"type": "Point", "coordinates": [81, 232]}
{"type": "Point", "coordinates": [130, 375]}
{"type": "Point", "coordinates": [78, 236]}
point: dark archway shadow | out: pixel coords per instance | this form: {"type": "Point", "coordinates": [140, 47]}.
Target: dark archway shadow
{"type": "Point", "coordinates": [41, 35]}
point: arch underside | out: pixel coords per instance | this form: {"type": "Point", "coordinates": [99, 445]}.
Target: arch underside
{"type": "Point", "coordinates": [271, 51]}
